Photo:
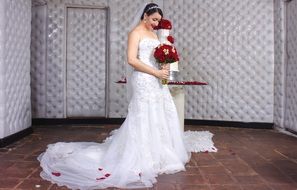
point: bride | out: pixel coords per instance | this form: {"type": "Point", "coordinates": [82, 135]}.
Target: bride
{"type": "Point", "coordinates": [149, 142]}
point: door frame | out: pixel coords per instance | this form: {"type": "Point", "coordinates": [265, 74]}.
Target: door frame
{"type": "Point", "coordinates": [286, 62]}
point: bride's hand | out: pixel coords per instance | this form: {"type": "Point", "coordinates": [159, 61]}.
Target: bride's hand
{"type": "Point", "coordinates": [165, 66]}
{"type": "Point", "coordinates": [162, 74]}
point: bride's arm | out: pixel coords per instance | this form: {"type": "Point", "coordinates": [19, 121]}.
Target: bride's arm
{"type": "Point", "coordinates": [133, 40]}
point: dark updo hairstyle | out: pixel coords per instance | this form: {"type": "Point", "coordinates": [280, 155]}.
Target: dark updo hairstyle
{"type": "Point", "coordinates": [150, 9]}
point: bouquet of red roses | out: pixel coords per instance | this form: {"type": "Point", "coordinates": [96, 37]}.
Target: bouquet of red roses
{"type": "Point", "coordinates": [164, 54]}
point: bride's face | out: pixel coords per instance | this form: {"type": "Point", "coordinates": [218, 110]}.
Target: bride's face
{"type": "Point", "coordinates": [152, 20]}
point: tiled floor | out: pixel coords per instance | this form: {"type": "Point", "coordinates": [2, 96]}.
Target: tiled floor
{"type": "Point", "coordinates": [248, 159]}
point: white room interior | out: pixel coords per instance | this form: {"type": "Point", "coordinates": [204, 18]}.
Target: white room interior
{"type": "Point", "coordinates": [246, 50]}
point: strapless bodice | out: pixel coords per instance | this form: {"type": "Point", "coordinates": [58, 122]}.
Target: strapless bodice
{"type": "Point", "coordinates": [146, 50]}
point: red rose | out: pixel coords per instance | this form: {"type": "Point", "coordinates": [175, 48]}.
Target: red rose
{"type": "Point", "coordinates": [170, 39]}
{"type": "Point", "coordinates": [164, 24]}
{"type": "Point", "coordinates": [165, 53]}
{"type": "Point", "coordinates": [57, 174]}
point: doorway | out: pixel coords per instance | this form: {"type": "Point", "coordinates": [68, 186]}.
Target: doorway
{"type": "Point", "coordinates": [86, 61]}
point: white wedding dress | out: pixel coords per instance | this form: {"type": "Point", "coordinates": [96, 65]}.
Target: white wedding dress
{"type": "Point", "coordinates": [149, 142]}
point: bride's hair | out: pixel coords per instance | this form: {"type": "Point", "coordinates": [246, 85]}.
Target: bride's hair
{"type": "Point", "coordinates": [150, 9]}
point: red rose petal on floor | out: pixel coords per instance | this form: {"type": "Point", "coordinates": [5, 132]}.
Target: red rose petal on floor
{"type": "Point", "coordinates": [206, 152]}
{"type": "Point", "coordinates": [100, 169]}
{"type": "Point", "coordinates": [101, 178]}
{"type": "Point", "coordinates": [56, 174]}
{"type": "Point", "coordinates": [107, 175]}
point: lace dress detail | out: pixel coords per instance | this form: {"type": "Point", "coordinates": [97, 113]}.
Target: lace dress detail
{"type": "Point", "coordinates": [145, 86]}
{"type": "Point", "coordinates": [149, 142]}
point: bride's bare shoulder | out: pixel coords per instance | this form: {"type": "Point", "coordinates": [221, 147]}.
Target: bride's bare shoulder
{"type": "Point", "coordinates": [135, 33]}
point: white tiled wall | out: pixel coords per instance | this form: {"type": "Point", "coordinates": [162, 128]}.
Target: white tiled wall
{"type": "Point", "coordinates": [2, 71]}
{"type": "Point", "coordinates": [238, 47]}
{"type": "Point", "coordinates": [228, 44]}
{"type": "Point", "coordinates": [15, 27]}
